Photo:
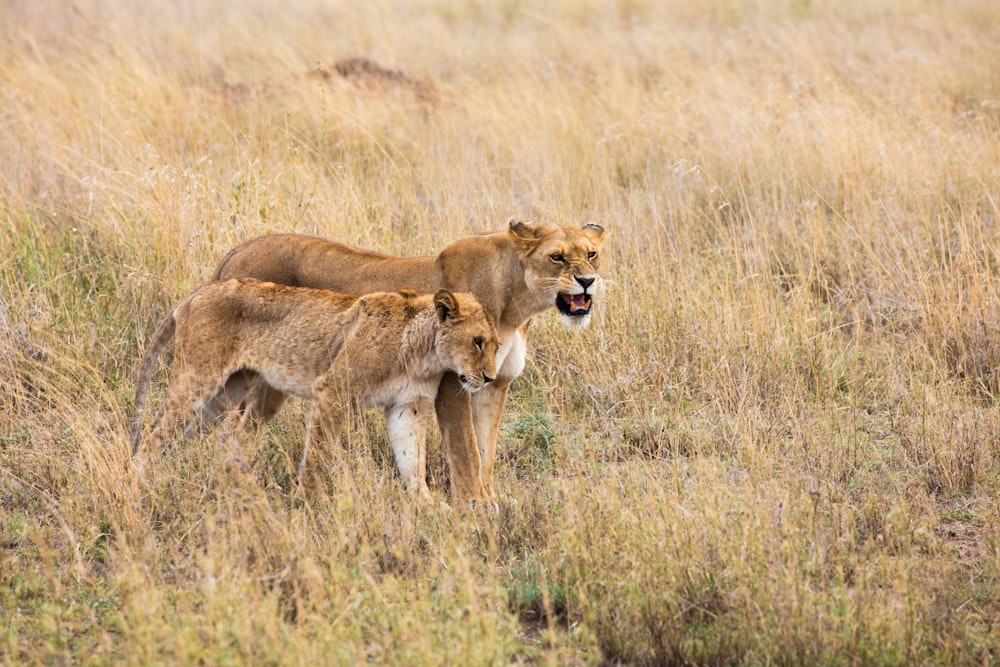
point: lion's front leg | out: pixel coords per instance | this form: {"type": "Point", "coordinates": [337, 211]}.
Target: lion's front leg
{"type": "Point", "coordinates": [407, 426]}
{"type": "Point", "coordinates": [458, 439]}
{"type": "Point", "coordinates": [488, 404]}
{"type": "Point", "coordinates": [487, 411]}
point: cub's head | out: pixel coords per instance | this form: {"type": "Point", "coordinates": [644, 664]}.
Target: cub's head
{"type": "Point", "coordinates": [561, 267]}
{"type": "Point", "coordinates": [467, 338]}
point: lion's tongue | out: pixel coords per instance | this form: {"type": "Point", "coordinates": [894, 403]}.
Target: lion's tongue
{"type": "Point", "coordinates": [577, 302]}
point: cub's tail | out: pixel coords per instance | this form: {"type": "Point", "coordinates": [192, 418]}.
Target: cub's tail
{"type": "Point", "coordinates": [164, 334]}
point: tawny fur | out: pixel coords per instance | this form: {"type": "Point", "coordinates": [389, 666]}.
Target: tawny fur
{"type": "Point", "coordinates": [385, 350]}
{"type": "Point", "coordinates": [518, 273]}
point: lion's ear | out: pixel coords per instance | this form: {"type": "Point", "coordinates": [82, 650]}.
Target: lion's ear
{"type": "Point", "coordinates": [446, 305]}
{"type": "Point", "coordinates": [523, 230]}
{"type": "Point", "coordinates": [595, 232]}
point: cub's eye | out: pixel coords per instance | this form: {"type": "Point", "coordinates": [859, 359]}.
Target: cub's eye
{"type": "Point", "coordinates": [557, 258]}
{"type": "Point", "coordinates": [478, 340]}
{"type": "Point", "coordinates": [592, 255]}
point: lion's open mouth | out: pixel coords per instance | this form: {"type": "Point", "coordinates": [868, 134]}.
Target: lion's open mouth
{"type": "Point", "coordinates": [573, 304]}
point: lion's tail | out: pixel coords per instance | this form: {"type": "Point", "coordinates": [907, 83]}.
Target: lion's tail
{"type": "Point", "coordinates": [161, 339]}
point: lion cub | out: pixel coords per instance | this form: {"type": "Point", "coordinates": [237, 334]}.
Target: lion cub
{"type": "Point", "coordinates": [387, 349]}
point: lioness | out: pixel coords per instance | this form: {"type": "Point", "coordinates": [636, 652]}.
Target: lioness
{"type": "Point", "coordinates": [386, 350]}
{"type": "Point", "coordinates": [518, 273]}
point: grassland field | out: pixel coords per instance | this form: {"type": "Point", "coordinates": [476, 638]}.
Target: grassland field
{"type": "Point", "coordinates": [777, 444]}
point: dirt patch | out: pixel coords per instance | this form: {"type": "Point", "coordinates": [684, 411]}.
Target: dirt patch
{"type": "Point", "coordinates": [963, 526]}
{"type": "Point", "coordinates": [359, 72]}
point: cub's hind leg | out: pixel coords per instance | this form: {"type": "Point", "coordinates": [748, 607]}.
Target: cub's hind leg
{"type": "Point", "coordinates": [260, 402]}
{"type": "Point", "coordinates": [190, 407]}
{"type": "Point", "coordinates": [230, 397]}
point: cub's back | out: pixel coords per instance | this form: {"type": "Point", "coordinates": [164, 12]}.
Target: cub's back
{"type": "Point", "coordinates": [258, 313]}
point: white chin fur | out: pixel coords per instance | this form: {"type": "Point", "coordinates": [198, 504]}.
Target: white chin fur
{"type": "Point", "coordinates": [576, 321]}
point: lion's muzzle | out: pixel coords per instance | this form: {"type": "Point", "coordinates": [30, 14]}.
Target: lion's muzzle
{"type": "Point", "coordinates": [576, 304]}
{"type": "Point", "coordinates": [473, 383]}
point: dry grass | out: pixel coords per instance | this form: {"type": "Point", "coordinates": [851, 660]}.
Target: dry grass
{"type": "Point", "coordinates": [778, 444]}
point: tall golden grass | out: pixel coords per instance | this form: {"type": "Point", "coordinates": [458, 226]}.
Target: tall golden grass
{"type": "Point", "coordinates": [779, 442]}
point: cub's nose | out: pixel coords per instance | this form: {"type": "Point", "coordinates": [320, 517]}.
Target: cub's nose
{"type": "Point", "coordinates": [585, 282]}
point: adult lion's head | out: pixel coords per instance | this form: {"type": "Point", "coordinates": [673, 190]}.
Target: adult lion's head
{"type": "Point", "coordinates": [562, 266]}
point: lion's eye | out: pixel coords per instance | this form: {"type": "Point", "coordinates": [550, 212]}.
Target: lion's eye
{"type": "Point", "coordinates": [557, 258]}
{"type": "Point", "coordinates": [592, 255]}
{"type": "Point", "coordinates": [478, 340]}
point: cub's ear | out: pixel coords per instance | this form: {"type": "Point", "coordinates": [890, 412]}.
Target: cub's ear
{"type": "Point", "coordinates": [595, 232]}
{"type": "Point", "coordinates": [446, 305]}
{"type": "Point", "coordinates": [523, 230]}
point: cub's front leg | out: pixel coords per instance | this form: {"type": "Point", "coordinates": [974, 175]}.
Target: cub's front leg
{"type": "Point", "coordinates": [407, 427]}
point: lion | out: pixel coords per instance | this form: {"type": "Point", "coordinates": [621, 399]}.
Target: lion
{"type": "Point", "coordinates": [518, 273]}
{"type": "Point", "coordinates": [383, 349]}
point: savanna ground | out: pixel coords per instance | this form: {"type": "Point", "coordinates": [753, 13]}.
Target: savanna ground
{"type": "Point", "coordinates": [779, 442]}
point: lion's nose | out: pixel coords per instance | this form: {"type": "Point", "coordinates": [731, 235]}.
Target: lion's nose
{"type": "Point", "coordinates": [487, 379]}
{"type": "Point", "coordinates": [585, 282]}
